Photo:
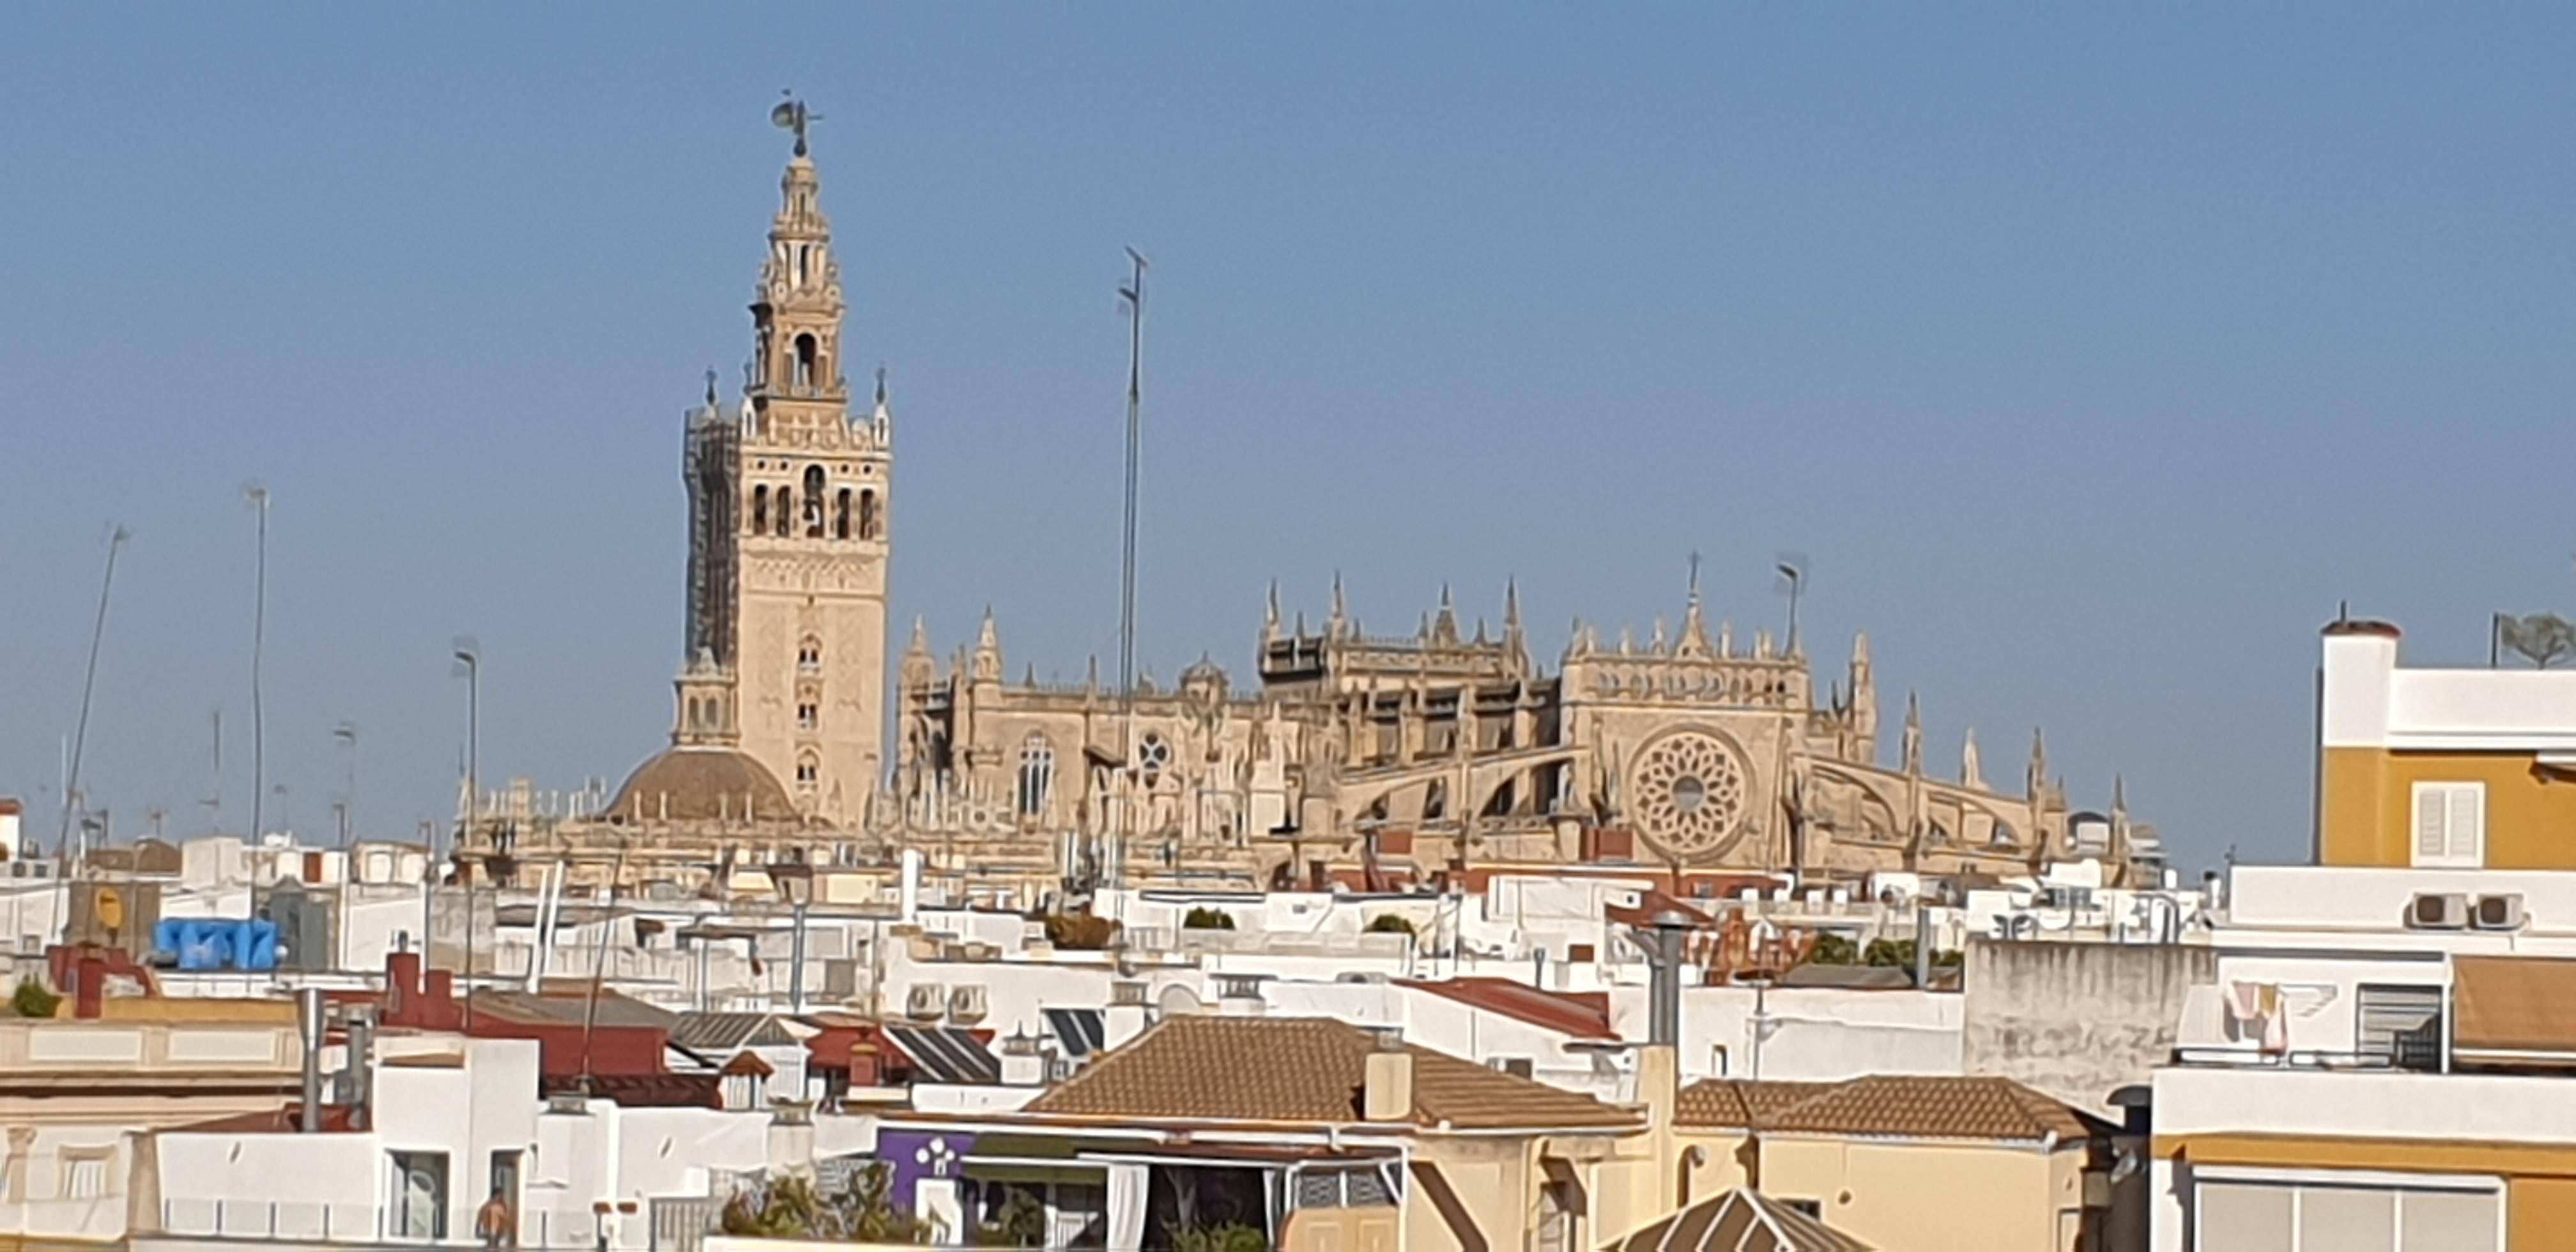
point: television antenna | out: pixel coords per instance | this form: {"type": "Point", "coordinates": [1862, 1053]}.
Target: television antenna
{"type": "Point", "coordinates": [89, 682]}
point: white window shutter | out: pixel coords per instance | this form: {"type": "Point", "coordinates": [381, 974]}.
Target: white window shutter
{"type": "Point", "coordinates": [2467, 824]}
{"type": "Point", "coordinates": [2432, 839]}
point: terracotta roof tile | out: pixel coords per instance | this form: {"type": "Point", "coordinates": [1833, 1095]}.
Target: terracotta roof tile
{"type": "Point", "coordinates": [1738, 1220]}
{"type": "Point", "coordinates": [1302, 1069]}
{"type": "Point", "coordinates": [1885, 1106]}
{"type": "Point", "coordinates": [1584, 1015]}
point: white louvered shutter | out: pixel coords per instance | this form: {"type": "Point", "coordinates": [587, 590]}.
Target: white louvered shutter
{"type": "Point", "coordinates": [2466, 825]}
{"type": "Point", "coordinates": [2432, 825]}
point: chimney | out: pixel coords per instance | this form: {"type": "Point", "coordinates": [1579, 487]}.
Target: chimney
{"type": "Point", "coordinates": [89, 986]}
{"type": "Point", "coordinates": [438, 992]}
{"type": "Point", "coordinates": [1663, 939]}
{"type": "Point", "coordinates": [1126, 1016]}
{"type": "Point", "coordinates": [1239, 995]}
{"type": "Point", "coordinates": [358, 1075]}
{"type": "Point", "coordinates": [1387, 1095]}
{"type": "Point", "coordinates": [1922, 946]}
{"type": "Point", "coordinates": [1022, 1064]}
{"type": "Point", "coordinates": [790, 1145]}
{"type": "Point", "coordinates": [308, 1014]}
{"type": "Point", "coordinates": [402, 984]}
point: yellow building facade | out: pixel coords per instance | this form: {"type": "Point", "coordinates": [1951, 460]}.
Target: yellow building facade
{"type": "Point", "coordinates": [2441, 768]}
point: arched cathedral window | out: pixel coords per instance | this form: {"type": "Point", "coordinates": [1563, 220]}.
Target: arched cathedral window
{"type": "Point", "coordinates": [1037, 774]}
{"type": "Point", "coordinates": [760, 510]}
{"type": "Point", "coordinates": [869, 523]}
{"type": "Point", "coordinates": [813, 501]}
{"type": "Point", "coordinates": [809, 770]}
{"type": "Point", "coordinates": [809, 654]}
{"type": "Point", "coordinates": [783, 511]}
{"type": "Point", "coordinates": [841, 514]}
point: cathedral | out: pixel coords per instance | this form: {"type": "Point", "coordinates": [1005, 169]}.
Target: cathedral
{"type": "Point", "coordinates": [1342, 758]}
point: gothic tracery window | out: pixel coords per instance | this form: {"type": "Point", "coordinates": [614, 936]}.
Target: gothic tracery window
{"type": "Point", "coordinates": [809, 770]}
{"type": "Point", "coordinates": [1153, 756]}
{"type": "Point", "coordinates": [1037, 774]}
{"type": "Point", "coordinates": [809, 654]}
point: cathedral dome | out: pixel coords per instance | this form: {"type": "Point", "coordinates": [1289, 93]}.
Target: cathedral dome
{"type": "Point", "coordinates": [694, 783]}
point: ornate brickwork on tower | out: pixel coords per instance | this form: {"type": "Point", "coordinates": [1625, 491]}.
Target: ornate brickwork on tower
{"type": "Point", "coordinates": [788, 523]}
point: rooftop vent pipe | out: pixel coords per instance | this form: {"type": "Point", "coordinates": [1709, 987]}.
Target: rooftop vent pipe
{"type": "Point", "coordinates": [1663, 939]}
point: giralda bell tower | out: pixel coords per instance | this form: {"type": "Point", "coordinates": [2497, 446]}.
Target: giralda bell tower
{"type": "Point", "coordinates": [788, 509]}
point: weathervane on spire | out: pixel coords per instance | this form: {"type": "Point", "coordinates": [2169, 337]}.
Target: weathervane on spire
{"type": "Point", "coordinates": [790, 114]}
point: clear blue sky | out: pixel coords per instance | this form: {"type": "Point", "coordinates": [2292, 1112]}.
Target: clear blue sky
{"type": "Point", "coordinates": [2091, 357]}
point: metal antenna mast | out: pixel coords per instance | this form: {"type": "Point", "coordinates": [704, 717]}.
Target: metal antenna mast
{"type": "Point", "coordinates": [258, 497]}
{"type": "Point", "coordinates": [1134, 294]}
{"type": "Point", "coordinates": [89, 681]}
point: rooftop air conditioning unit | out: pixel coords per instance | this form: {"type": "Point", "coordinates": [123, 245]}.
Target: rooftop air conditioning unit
{"type": "Point", "coordinates": [925, 1002]}
{"type": "Point", "coordinates": [2447, 910]}
{"type": "Point", "coordinates": [968, 1004]}
{"type": "Point", "coordinates": [2499, 912]}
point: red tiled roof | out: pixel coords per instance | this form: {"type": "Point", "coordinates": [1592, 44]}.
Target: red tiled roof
{"type": "Point", "coordinates": [284, 1120]}
{"type": "Point", "coordinates": [1891, 1106]}
{"type": "Point", "coordinates": [1585, 1015]}
{"type": "Point", "coordinates": [1302, 1069]}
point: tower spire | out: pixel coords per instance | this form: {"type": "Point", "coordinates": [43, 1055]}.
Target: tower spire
{"type": "Point", "coordinates": [1694, 637]}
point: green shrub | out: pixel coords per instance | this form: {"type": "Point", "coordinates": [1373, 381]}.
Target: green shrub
{"type": "Point", "coordinates": [1899, 954]}
{"type": "Point", "coordinates": [1390, 924]}
{"type": "Point", "coordinates": [31, 999]}
{"type": "Point", "coordinates": [1205, 918]}
{"type": "Point", "coordinates": [1230, 1237]}
{"type": "Point", "coordinates": [790, 1208]}
{"type": "Point", "coordinates": [1832, 949]}
{"type": "Point", "coordinates": [1021, 1222]}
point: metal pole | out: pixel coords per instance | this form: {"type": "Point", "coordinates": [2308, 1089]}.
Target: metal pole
{"type": "Point", "coordinates": [347, 734]}
{"type": "Point", "coordinates": [89, 681]}
{"type": "Point", "coordinates": [1134, 293]}
{"type": "Point", "coordinates": [258, 646]}
{"type": "Point", "coordinates": [796, 975]}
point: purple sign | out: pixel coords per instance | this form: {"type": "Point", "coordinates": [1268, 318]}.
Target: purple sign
{"type": "Point", "coordinates": [913, 1155]}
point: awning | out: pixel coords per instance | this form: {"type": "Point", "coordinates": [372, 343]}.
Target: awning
{"type": "Point", "coordinates": [2514, 1007]}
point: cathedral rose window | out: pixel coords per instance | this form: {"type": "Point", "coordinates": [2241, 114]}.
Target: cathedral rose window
{"type": "Point", "coordinates": [1688, 793]}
